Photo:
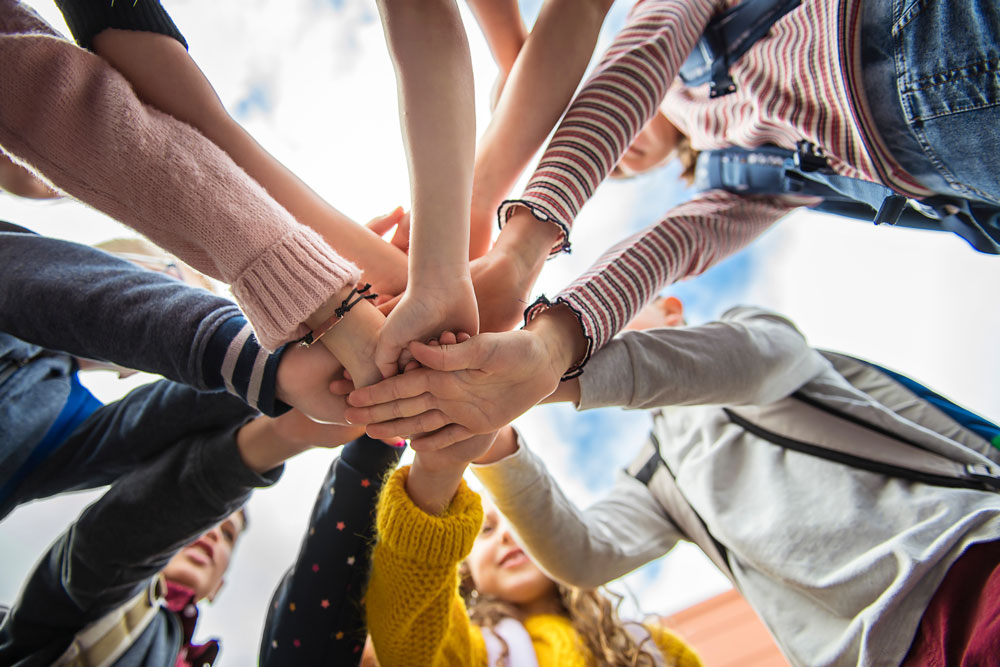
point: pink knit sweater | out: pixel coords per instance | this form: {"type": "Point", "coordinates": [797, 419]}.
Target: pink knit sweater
{"type": "Point", "coordinates": [75, 120]}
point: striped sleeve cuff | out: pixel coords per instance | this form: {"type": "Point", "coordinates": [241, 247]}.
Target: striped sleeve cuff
{"type": "Point", "coordinates": [586, 323]}
{"type": "Point", "coordinates": [234, 360]}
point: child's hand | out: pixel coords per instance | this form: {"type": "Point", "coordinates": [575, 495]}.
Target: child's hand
{"type": "Point", "coordinates": [352, 340]}
{"type": "Point", "coordinates": [466, 389]}
{"type": "Point", "coordinates": [297, 430]}
{"type": "Point", "coordinates": [423, 313]}
{"type": "Point", "coordinates": [304, 377]}
{"type": "Point", "coordinates": [473, 387]}
{"type": "Point", "coordinates": [399, 219]}
{"type": "Point", "coordinates": [267, 442]}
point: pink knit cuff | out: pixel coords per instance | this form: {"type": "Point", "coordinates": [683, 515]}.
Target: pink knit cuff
{"type": "Point", "coordinates": [288, 283]}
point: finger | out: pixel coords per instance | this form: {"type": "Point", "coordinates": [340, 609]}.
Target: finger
{"type": "Point", "coordinates": [405, 359]}
{"type": "Point", "coordinates": [407, 385]}
{"type": "Point", "coordinates": [448, 338]}
{"type": "Point", "coordinates": [383, 223]}
{"type": "Point", "coordinates": [462, 337]}
{"type": "Point", "coordinates": [383, 412]}
{"type": "Point", "coordinates": [387, 357]}
{"type": "Point", "coordinates": [441, 438]}
{"type": "Point", "coordinates": [447, 357]}
{"type": "Point", "coordinates": [401, 239]}
{"type": "Point", "coordinates": [403, 428]}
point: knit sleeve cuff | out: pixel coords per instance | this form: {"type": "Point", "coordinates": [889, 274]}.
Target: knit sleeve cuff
{"type": "Point", "coordinates": [415, 535]}
{"type": "Point", "coordinates": [288, 283]}
{"type": "Point", "coordinates": [234, 360]}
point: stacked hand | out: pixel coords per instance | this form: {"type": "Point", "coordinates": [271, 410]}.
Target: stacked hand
{"type": "Point", "coordinates": [469, 388]}
{"type": "Point", "coordinates": [423, 313]}
{"type": "Point", "coordinates": [303, 379]}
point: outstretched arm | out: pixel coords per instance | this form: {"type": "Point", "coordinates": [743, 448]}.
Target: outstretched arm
{"type": "Point", "coordinates": [123, 540]}
{"type": "Point", "coordinates": [159, 176]}
{"type": "Point", "coordinates": [154, 323]}
{"type": "Point", "coordinates": [430, 52]}
{"type": "Point", "coordinates": [615, 102]}
{"type": "Point", "coordinates": [415, 614]}
{"type": "Point", "coordinates": [540, 72]}
{"type": "Point", "coordinates": [587, 548]}
{"type": "Point", "coordinates": [324, 587]}
{"type": "Point", "coordinates": [165, 76]}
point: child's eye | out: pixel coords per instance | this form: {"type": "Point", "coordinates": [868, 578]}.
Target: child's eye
{"type": "Point", "coordinates": [487, 527]}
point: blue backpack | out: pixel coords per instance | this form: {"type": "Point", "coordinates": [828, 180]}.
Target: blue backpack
{"type": "Point", "coordinates": [771, 170]}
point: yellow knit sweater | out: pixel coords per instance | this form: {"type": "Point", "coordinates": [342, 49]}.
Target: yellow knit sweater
{"type": "Point", "coordinates": [415, 614]}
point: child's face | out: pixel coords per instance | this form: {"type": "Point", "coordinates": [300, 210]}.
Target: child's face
{"type": "Point", "coordinates": [500, 568]}
{"type": "Point", "coordinates": [202, 564]}
{"type": "Point", "coordinates": [653, 147]}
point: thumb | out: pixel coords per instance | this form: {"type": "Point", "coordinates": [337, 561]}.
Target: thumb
{"type": "Point", "coordinates": [386, 356]}
{"type": "Point", "coordinates": [460, 356]}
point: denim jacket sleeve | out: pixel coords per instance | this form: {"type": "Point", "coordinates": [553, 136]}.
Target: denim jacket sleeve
{"type": "Point", "coordinates": [77, 299]}
{"type": "Point", "coordinates": [124, 539]}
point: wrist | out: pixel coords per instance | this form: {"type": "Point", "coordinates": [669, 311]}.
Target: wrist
{"type": "Point", "coordinates": [353, 341]}
{"type": "Point", "coordinates": [431, 488]}
{"type": "Point", "coordinates": [437, 275]}
{"type": "Point", "coordinates": [504, 445]}
{"type": "Point", "coordinates": [560, 334]}
{"type": "Point", "coordinates": [527, 238]}
{"type": "Point", "coordinates": [262, 448]}
{"type": "Point", "coordinates": [568, 391]}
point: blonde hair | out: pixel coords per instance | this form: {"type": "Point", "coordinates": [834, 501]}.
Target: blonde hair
{"type": "Point", "coordinates": [688, 157]}
{"type": "Point", "coordinates": [591, 614]}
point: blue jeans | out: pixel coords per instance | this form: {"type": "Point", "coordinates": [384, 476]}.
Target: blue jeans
{"type": "Point", "coordinates": [931, 72]}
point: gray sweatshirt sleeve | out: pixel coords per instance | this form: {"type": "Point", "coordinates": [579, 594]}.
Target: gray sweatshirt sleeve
{"type": "Point", "coordinates": [76, 299]}
{"type": "Point", "coordinates": [125, 538]}
{"type": "Point", "coordinates": [588, 548]}
{"type": "Point", "coordinates": [749, 357]}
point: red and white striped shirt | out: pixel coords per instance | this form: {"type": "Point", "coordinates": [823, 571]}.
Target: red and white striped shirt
{"type": "Point", "coordinates": [796, 84]}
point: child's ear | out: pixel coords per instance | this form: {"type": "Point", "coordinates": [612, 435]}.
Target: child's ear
{"type": "Point", "coordinates": [673, 309]}
{"type": "Point", "coordinates": [215, 591]}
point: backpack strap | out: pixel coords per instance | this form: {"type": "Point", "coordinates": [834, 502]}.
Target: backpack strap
{"type": "Point", "coordinates": [520, 650]}
{"type": "Point", "coordinates": [102, 642]}
{"type": "Point", "coordinates": [650, 468]}
{"type": "Point", "coordinates": [726, 38]}
{"type": "Point", "coordinates": [802, 424]}
{"type": "Point", "coordinates": [772, 170]}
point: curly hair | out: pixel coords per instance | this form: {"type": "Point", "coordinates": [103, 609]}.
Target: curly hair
{"type": "Point", "coordinates": [590, 612]}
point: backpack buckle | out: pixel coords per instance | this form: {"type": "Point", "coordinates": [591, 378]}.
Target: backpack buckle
{"type": "Point", "coordinates": [808, 157]}
{"type": "Point", "coordinates": [985, 474]}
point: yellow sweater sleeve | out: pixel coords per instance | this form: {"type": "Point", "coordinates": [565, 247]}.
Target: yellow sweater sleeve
{"type": "Point", "coordinates": [415, 614]}
{"type": "Point", "coordinates": [675, 650]}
